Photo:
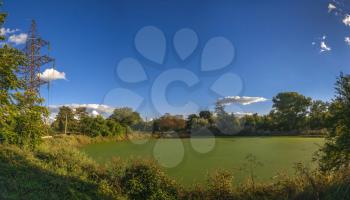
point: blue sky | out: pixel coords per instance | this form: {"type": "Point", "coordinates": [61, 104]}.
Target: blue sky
{"type": "Point", "coordinates": [272, 42]}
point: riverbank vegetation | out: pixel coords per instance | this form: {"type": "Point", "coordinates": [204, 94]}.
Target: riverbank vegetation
{"type": "Point", "coordinates": [58, 170]}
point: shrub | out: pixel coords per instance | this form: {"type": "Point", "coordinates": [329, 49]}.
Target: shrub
{"type": "Point", "coordinates": [145, 180]}
{"type": "Point", "coordinates": [220, 185]}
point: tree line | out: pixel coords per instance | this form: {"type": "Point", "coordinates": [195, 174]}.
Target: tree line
{"type": "Point", "coordinates": [292, 114]}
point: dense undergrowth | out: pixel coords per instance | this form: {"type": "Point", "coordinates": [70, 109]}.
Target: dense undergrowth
{"type": "Point", "coordinates": [58, 170]}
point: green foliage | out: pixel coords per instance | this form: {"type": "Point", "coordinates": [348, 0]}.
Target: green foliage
{"type": "Point", "coordinates": [145, 180]}
{"type": "Point", "coordinates": [29, 121]}
{"type": "Point", "coordinates": [336, 152]}
{"type": "Point", "coordinates": [125, 116]}
{"type": "Point", "coordinates": [226, 123]}
{"type": "Point", "coordinates": [59, 173]}
{"type": "Point", "coordinates": [2, 20]}
{"type": "Point", "coordinates": [10, 60]}
{"type": "Point", "coordinates": [318, 115]}
{"type": "Point", "coordinates": [189, 121]}
{"type": "Point", "coordinates": [206, 114]}
{"type": "Point", "coordinates": [198, 124]}
{"type": "Point", "coordinates": [21, 115]}
{"type": "Point", "coordinates": [65, 115]}
{"type": "Point", "coordinates": [80, 122]}
{"type": "Point", "coordinates": [290, 110]}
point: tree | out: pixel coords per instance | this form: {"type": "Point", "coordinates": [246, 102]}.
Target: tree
{"type": "Point", "coordinates": [199, 124]}
{"type": "Point", "coordinates": [10, 85]}
{"type": "Point", "coordinates": [115, 128]}
{"type": "Point", "coordinates": [318, 115]}
{"type": "Point", "coordinates": [290, 110]}
{"type": "Point", "coordinates": [126, 117]}
{"type": "Point", "coordinates": [250, 123]}
{"type": "Point", "coordinates": [30, 126]}
{"type": "Point", "coordinates": [336, 151]}
{"type": "Point", "coordinates": [206, 114]}
{"type": "Point", "coordinates": [189, 121]}
{"type": "Point", "coordinates": [65, 119]}
{"type": "Point", "coordinates": [80, 114]}
{"type": "Point", "coordinates": [21, 113]}
{"type": "Point", "coordinates": [226, 123]}
{"type": "Point", "coordinates": [168, 122]}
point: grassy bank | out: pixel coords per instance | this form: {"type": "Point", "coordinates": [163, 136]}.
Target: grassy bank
{"type": "Point", "coordinates": [58, 170]}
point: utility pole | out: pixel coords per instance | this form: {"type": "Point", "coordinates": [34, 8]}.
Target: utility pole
{"type": "Point", "coordinates": [65, 126]}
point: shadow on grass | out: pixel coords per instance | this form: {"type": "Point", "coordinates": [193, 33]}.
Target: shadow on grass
{"type": "Point", "coordinates": [20, 179]}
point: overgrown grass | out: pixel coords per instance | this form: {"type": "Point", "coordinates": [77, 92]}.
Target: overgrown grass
{"type": "Point", "coordinates": [58, 170]}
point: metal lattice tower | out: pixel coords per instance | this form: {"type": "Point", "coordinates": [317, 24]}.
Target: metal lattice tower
{"type": "Point", "coordinates": [33, 51]}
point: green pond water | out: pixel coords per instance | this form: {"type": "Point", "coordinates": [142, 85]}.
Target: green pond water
{"type": "Point", "coordinates": [190, 160]}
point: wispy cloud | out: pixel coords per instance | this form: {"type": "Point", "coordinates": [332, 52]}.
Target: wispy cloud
{"type": "Point", "coordinates": [346, 20]}
{"type": "Point", "coordinates": [331, 7]}
{"type": "Point", "coordinates": [51, 75]}
{"type": "Point", "coordinates": [244, 100]}
{"type": "Point", "coordinates": [321, 44]}
{"type": "Point", "coordinates": [324, 47]}
{"type": "Point", "coordinates": [18, 39]}
{"type": "Point", "coordinates": [5, 31]}
{"type": "Point", "coordinates": [347, 40]}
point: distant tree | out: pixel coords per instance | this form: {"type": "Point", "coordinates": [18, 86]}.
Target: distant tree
{"type": "Point", "coordinates": [96, 126]}
{"type": "Point", "coordinates": [199, 124]}
{"type": "Point", "coordinates": [126, 117]}
{"type": "Point", "coordinates": [206, 114]}
{"type": "Point", "coordinates": [189, 121]}
{"type": "Point", "coordinates": [65, 117]}
{"type": "Point", "coordinates": [318, 115]}
{"type": "Point", "coordinates": [79, 114]}
{"type": "Point", "coordinates": [336, 151]}
{"type": "Point", "coordinates": [115, 128]}
{"type": "Point", "coordinates": [290, 110]}
{"type": "Point", "coordinates": [266, 123]}
{"type": "Point", "coordinates": [171, 123]}
{"type": "Point", "coordinates": [250, 123]}
{"type": "Point", "coordinates": [226, 123]}
{"type": "Point", "coordinates": [155, 126]}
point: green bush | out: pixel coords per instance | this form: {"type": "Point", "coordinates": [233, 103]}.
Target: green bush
{"type": "Point", "coordinates": [145, 180]}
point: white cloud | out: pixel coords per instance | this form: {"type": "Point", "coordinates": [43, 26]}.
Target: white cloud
{"type": "Point", "coordinates": [324, 47]}
{"type": "Point", "coordinates": [346, 20]}
{"type": "Point", "coordinates": [95, 113]}
{"type": "Point", "coordinates": [242, 114]}
{"type": "Point", "coordinates": [347, 40]}
{"type": "Point", "coordinates": [18, 39]}
{"type": "Point", "coordinates": [331, 7]}
{"type": "Point", "coordinates": [321, 44]}
{"type": "Point", "coordinates": [240, 100]}
{"type": "Point", "coordinates": [5, 31]}
{"type": "Point", "coordinates": [93, 109]}
{"type": "Point", "coordinates": [51, 75]}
